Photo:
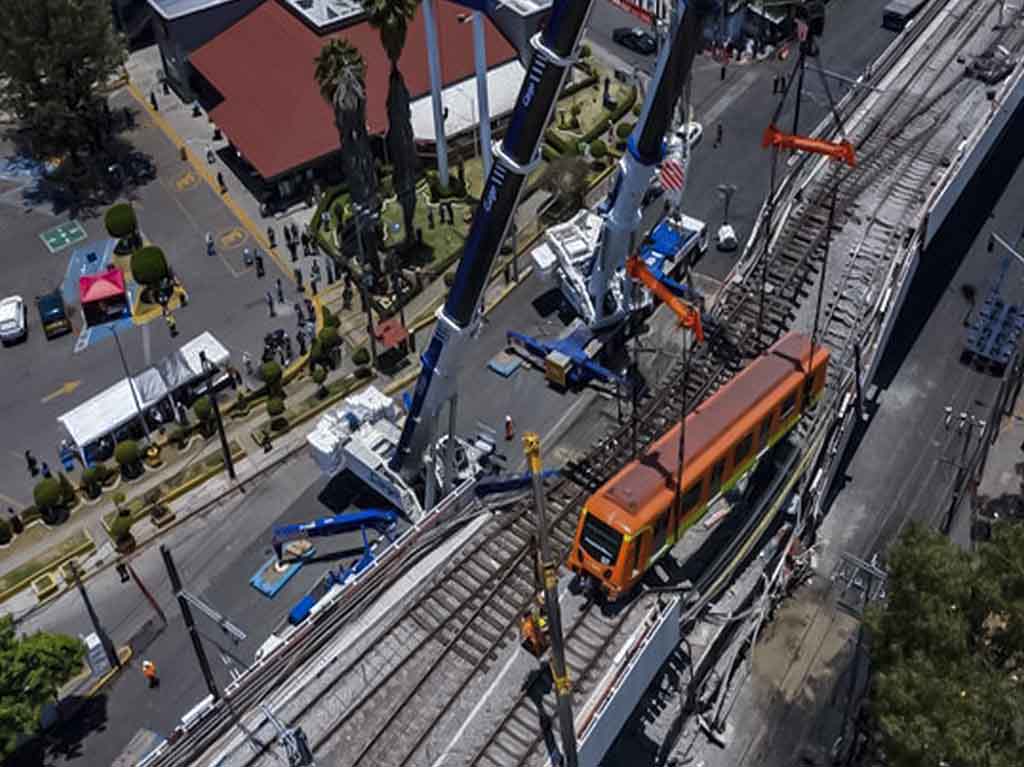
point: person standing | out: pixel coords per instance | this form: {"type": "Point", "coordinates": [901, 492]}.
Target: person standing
{"type": "Point", "coordinates": [32, 463]}
{"type": "Point", "coordinates": [247, 363]}
{"type": "Point", "coordinates": [270, 304]}
{"type": "Point", "coordinates": [718, 135]}
{"type": "Point", "coordinates": [280, 291]}
{"type": "Point", "coordinates": [46, 470]}
{"type": "Point", "coordinates": [149, 671]}
{"type": "Point", "coordinates": [210, 249]}
{"type": "Point", "coordinates": [510, 429]}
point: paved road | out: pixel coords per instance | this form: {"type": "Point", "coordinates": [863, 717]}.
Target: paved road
{"type": "Point", "coordinates": [175, 211]}
{"type": "Point", "coordinates": [219, 554]}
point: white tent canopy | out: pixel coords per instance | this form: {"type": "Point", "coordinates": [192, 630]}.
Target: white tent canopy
{"type": "Point", "coordinates": [115, 406]}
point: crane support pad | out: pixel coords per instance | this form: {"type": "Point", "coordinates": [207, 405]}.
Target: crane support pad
{"type": "Point", "coordinates": [272, 577]}
{"type": "Point", "coordinates": [837, 150]}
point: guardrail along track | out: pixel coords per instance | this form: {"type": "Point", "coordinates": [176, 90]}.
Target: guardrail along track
{"type": "Point", "coordinates": [450, 635]}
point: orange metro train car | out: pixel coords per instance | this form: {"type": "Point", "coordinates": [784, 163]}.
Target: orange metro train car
{"type": "Point", "coordinates": [628, 524]}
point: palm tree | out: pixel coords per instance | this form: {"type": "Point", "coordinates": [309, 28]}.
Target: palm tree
{"type": "Point", "coordinates": [392, 18]}
{"type": "Point", "coordinates": [341, 75]}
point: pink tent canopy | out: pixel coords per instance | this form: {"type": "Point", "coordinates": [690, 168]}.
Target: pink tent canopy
{"type": "Point", "coordinates": [102, 286]}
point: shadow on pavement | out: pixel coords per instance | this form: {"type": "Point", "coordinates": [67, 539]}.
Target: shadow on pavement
{"type": "Point", "coordinates": [64, 741]}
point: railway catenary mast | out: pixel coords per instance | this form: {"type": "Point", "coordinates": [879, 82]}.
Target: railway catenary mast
{"type": "Point", "coordinates": [554, 51]}
{"type": "Point", "coordinates": [645, 148]}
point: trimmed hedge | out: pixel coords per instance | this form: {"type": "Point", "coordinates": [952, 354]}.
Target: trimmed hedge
{"type": "Point", "coordinates": [598, 149]}
{"type": "Point", "coordinates": [361, 356]}
{"type": "Point", "coordinates": [47, 493]}
{"type": "Point", "coordinates": [149, 266]}
{"type": "Point", "coordinates": [127, 453]}
{"type": "Point", "coordinates": [613, 117]}
{"type": "Point", "coordinates": [120, 221]}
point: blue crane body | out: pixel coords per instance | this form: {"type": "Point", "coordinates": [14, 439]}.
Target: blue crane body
{"type": "Point", "coordinates": [566, 361]}
{"type": "Point", "coordinates": [518, 154]}
{"type": "Point", "coordinates": [645, 149]}
{"type": "Point", "coordinates": [383, 521]}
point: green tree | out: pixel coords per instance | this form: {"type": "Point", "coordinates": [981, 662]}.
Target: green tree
{"type": "Point", "coordinates": [341, 76]}
{"type": "Point", "coordinates": [129, 458]}
{"type": "Point", "coordinates": [149, 267]}
{"type": "Point", "coordinates": [391, 18]}
{"type": "Point", "coordinates": [275, 409]}
{"type": "Point", "coordinates": [598, 149]}
{"type": "Point", "coordinates": [203, 409]}
{"type": "Point", "coordinates": [92, 481]}
{"type": "Point", "coordinates": [32, 669]}
{"type": "Point", "coordinates": [56, 56]}
{"type": "Point", "coordinates": [123, 226]}
{"type": "Point", "coordinates": [361, 356]}
{"type": "Point", "coordinates": [270, 374]}
{"type": "Point", "coordinates": [47, 494]}
{"type": "Point", "coordinates": [947, 652]}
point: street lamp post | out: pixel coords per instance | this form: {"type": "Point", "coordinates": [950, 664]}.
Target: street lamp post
{"type": "Point", "coordinates": [131, 383]}
{"type": "Point", "coordinates": [209, 368]}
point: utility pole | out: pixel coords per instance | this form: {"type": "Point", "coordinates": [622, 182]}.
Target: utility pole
{"type": "Point", "coordinates": [209, 368]}
{"type": "Point", "coordinates": [108, 646]}
{"type": "Point", "coordinates": [563, 687]}
{"type": "Point", "coordinates": [186, 614]}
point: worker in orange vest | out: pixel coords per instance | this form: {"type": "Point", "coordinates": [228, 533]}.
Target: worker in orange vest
{"type": "Point", "coordinates": [510, 429]}
{"type": "Point", "coordinates": [149, 671]}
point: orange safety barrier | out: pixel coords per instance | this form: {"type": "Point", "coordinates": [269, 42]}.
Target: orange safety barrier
{"type": "Point", "coordinates": [841, 150]}
{"type": "Point", "coordinates": [688, 316]}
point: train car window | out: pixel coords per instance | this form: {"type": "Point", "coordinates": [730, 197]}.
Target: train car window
{"type": "Point", "coordinates": [766, 430]}
{"type": "Point", "coordinates": [788, 406]}
{"type": "Point", "coordinates": [692, 497]}
{"type": "Point", "coordinates": [716, 477]}
{"type": "Point", "coordinates": [743, 449]}
{"type": "Point", "coordinates": [600, 541]}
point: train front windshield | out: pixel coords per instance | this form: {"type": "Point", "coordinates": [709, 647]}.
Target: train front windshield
{"type": "Point", "coordinates": [600, 541]}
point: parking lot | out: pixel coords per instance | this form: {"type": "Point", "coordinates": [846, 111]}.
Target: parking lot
{"type": "Point", "coordinates": [42, 379]}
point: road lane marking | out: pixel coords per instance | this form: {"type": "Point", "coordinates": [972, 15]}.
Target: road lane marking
{"type": "Point", "coordinates": [66, 388]}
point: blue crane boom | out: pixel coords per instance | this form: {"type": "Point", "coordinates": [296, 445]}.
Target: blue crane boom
{"type": "Point", "coordinates": [645, 148]}
{"type": "Point", "coordinates": [518, 154]}
{"type": "Point", "coordinates": [383, 521]}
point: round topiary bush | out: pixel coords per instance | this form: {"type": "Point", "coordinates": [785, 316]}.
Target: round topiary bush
{"type": "Point", "coordinates": [361, 356]}
{"type": "Point", "coordinates": [92, 481]}
{"type": "Point", "coordinates": [319, 376]}
{"type": "Point", "coordinates": [316, 354]}
{"type": "Point", "coordinates": [331, 320]}
{"type": "Point", "coordinates": [275, 409]}
{"type": "Point", "coordinates": [585, 51]}
{"type": "Point", "coordinates": [598, 149]}
{"type": "Point", "coordinates": [121, 532]}
{"type": "Point", "coordinates": [622, 130]}
{"type": "Point", "coordinates": [5, 532]}
{"type": "Point", "coordinates": [149, 266]}
{"type": "Point", "coordinates": [270, 374]}
{"type": "Point", "coordinates": [47, 494]}
{"type": "Point", "coordinates": [128, 457]}
{"type": "Point", "coordinates": [637, 110]}
{"type": "Point", "coordinates": [203, 409]}
{"type": "Point", "coordinates": [329, 338]}
{"type": "Point", "coordinates": [120, 221]}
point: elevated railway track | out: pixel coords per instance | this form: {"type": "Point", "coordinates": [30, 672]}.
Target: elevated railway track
{"type": "Point", "coordinates": [380, 701]}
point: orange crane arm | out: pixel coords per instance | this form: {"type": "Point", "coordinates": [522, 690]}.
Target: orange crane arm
{"type": "Point", "coordinates": [688, 316]}
{"type": "Point", "coordinates": [839, 150]}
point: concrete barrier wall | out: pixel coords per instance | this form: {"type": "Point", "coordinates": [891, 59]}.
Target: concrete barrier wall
{"type": "Point", "coordinates": [1008, 98]}
{"type": "Point", "coordinates": [620, 691]}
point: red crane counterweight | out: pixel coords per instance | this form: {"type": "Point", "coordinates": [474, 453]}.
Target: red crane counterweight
{"type": "Point", "coordinates": [837, 150]}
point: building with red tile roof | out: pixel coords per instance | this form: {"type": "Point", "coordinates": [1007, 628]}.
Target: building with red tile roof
{"type": "Point", "coordinates": [259, 77]}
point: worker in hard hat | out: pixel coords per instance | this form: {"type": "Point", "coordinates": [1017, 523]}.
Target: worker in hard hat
{"type": "Point", "coordinates": [149, 671]}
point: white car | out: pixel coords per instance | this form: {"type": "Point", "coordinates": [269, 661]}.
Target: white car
{"type": "Point", "coordinates": [13, 320]}
{"type": "Point", "coordinates": [692, 132]}
{"type": "Point", "coordinates": [726, 238]}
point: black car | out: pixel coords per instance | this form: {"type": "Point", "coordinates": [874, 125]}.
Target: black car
{"type": "Point", "coordinates": [636, 39]}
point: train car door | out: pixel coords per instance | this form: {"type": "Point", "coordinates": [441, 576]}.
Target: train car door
{"type": "Point", "coordinates": [660, 532]}
{"type": "Point", "coordinates": [639, 556]}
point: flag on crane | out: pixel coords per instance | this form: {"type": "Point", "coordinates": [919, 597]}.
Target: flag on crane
{"type": "Point", "coordinates": [673, 175]}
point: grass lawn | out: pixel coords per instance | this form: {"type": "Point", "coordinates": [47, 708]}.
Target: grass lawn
{"type": "Point", "coordinates": [592, 109]}
{"type": "Point", "coordinates": [444, 239]}
{"type": "Point", "coordinates": [44, 561]}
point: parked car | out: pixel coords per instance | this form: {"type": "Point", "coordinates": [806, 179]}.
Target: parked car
{"type": "Point", "coordinates": [13, 320]}
{"type": "Point", "coordinates": [636, 39]}
{"type": "Point", "coordinates": [53, 314]}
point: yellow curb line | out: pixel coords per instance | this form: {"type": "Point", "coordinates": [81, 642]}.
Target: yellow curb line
{"type": "Point", "coordinates": [203, 170]}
